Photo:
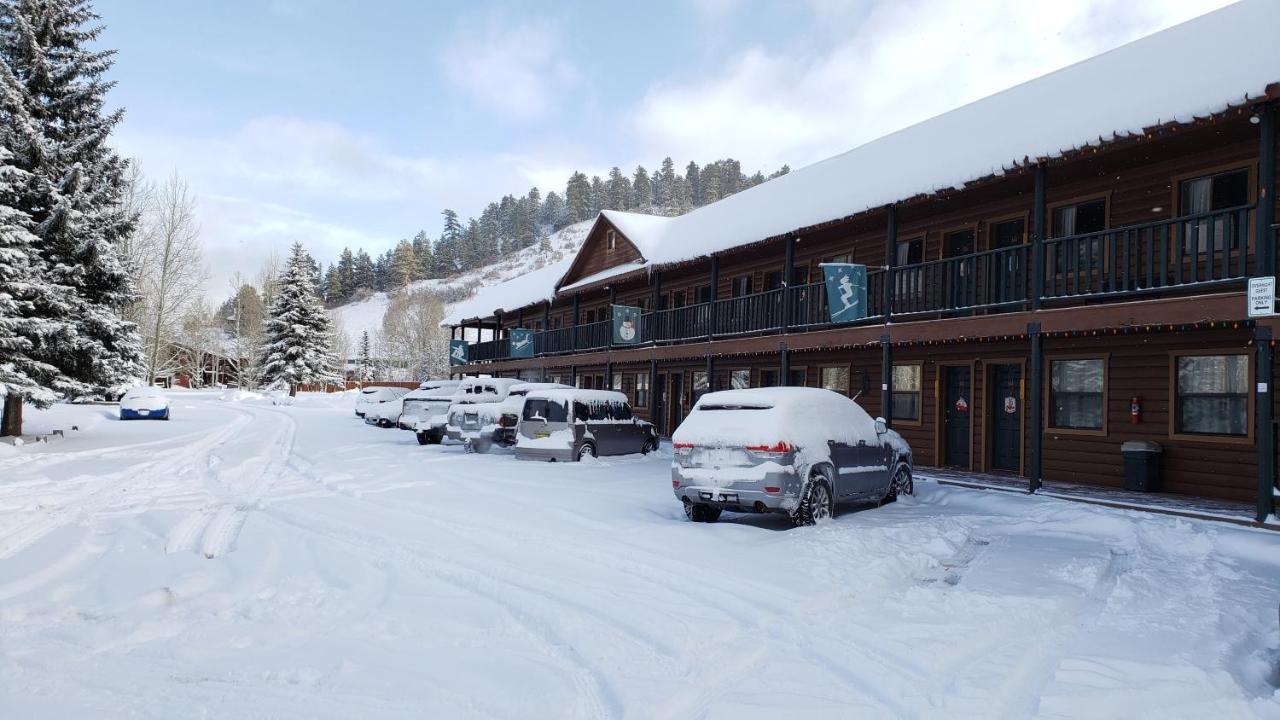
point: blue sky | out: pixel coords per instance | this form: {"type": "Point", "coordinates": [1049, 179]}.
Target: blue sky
{"type": "Point", "coordinates": [312, 121]}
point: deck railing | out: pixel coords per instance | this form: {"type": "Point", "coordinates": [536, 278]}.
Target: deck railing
{"type": "Point", "coordinates": [1167, 256]}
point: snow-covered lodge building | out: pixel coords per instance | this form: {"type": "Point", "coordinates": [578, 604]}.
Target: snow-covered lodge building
{"type": "Point", "coordinates": [1052, 271]}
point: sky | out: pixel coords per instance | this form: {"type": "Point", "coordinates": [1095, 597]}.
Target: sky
{"type": "Point", "coordinates": [305, 120]}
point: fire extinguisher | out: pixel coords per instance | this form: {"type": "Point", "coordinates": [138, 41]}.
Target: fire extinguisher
{"type": "Point", "coordinates": [1135, 410]}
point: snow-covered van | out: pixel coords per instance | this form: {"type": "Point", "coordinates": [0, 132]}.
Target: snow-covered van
{"type": "Point", "coordinates": [418, 405]}
{"type": "Point", "coordinates": [509, 414]}
{"type": "Point", "coordinates": [574, 424]}
{"type": "Point", "coordinates": [473, 416]}
{"type": "Point", "coordinates": [371, 397]}
{"type": "Point", "coordinates": [791, 450]}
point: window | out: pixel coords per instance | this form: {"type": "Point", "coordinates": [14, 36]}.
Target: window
{"type": "Point", "coordinates": [773, 280]}
{"type": "Point", "coordinates": [799, 378]}
{"type": "Point", "coordinates": [768, 378]}
{"type": "Point", "coordinates": [549, 410]}
{"type": "Point", "coordinates": [704, 294]}
{"type": "Point", "coordinates": [589, 317]}
{"type": "Point", "coordinates": [617, 382]}
{"type": "Point", "coordinates": [800, 275]}
{"type": "Point", "coordinates": [1210, 194]}
{"type": "Point", "coordinates": [836, 378]}
{"type": "Point", "coordinates": [599, 382]}
{"type": "Point", "coordinates": [1075, 393]}
{"type": "Point", "coordinates": [613, 239]}
{"type": "Point", "coordinates": [584, 382]}
{"type": "Point", "coordinates": [740, 379]}
{"type": "Point", "coordinates": [1212, 395]}
{"type": "Point", "coordinates": [909, 252]}
{"type": "Point", "coordinates": [741, 286]}
{"type": "Point", "coordinates": [676, 299]}
{"type": "Point", "coordinates": [840, 259]}
{"type": "Point", "coordinates": [642, 390]}
{"type": "Point", "coordinates": [1079, 219]}
{"type": "Point", "coordinates": [700, 385]}
{"type": "Point", "coordinates": [905, 390]}
{"type": "Point", "coordinates": [1009, 233]}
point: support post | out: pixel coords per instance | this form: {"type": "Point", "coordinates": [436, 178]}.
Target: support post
{"type": "Point", "coordinates": [1037, 237]}
{"type": "Point", "coordinates": [886, 379]}
{"type": "Point", "coordinates": [1264, 430]}
{"type": "Point", "coordinates": [711, 373]}
{"type": "Point", "coordinates": [1035, 464]}
{"type": "Point", "coordinates": [784, 364]}
{"type": "Point", "coordinates": [613, 298]}
{"type": "Point", "coordinates": [657, 291]}
{"type": "Point", "coordinates": [608, 375]}
{"type": "Point", "coordinates": [653, 392]}
{"type": "Point", "coordinates": [1266, 263]}
{"type": "Point", "coordinates": [890, 253]}
{"type": "Point", "coordinates": [788, 260]}
{"type": "Point", "coordinates": [715, 290]}
{"type": "Point", "coordinates": [546, 316]}
{"type": "Point", "coordinates": [573, 377]}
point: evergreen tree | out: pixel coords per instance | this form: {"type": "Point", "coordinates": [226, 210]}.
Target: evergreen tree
{"type": "Point", "coordinates": [577, 194]}
{"type": "Point", "coordinates": [404, 265]}
{"type": "Point", "coordinates": [365, 368]}
{"type": "Point", "coordinates": [364, 275]}
{"type": "Point", "coordinates": [346, 274]}
{"type": "Point", "coordinates": [780, 172]}
{"type": "Point", "coordinates": [448, 252]}
{"type": "Point", "coordinates": [554, 211]}
{"type": "Point", "coordinates": [332, 286]}
{"type": "Point", "coordinates": [664, 184]}
{"type": "Point", "coordinates": [619, 190]}
{"type": "Point", "coordinates": [297, 331]}
{"type": "Point", "coordinates": [693, 176]}
{"type": "Point", "coordinates": [54, 96]}
{"type": "Point", "coordinates": [382, 272]}
{"type": "Point", "coordinates": [422, 253]}
{"type": "Point", "coordinates": [641, 189]}
{"type": "Point", "coordinates": [681, 197]}
{"type": "Point", "coordinates": [599, 195]}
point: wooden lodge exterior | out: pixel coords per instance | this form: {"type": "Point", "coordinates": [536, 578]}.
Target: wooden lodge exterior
{"type": "Point", "coordinates": [1029, 322]}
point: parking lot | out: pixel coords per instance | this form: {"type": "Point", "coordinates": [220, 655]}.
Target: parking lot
{"type": "Point", "coordinates": [253, 560]}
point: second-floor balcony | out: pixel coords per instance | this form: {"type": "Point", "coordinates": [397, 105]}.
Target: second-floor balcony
{"type": "Point", "coordinates": [1180, 255]}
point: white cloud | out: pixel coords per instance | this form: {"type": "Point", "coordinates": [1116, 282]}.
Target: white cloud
{"type": "Point", "coordinates": [516, 67]}
{"type": "Point", "coordinates": [879, 69]}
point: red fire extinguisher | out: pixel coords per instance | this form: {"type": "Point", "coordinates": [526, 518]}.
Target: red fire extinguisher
{"type": "Point", "coordinates": [1135, 410]}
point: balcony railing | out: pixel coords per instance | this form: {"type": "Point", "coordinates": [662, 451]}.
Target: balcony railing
{"type": "Point", "coordinates": [1182, 254]}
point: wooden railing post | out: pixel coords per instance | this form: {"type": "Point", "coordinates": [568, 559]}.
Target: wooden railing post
{"type": "Point", "coordinates": [1037, 238]}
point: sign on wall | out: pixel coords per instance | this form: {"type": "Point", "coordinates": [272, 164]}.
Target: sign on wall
{"type": "Point", "coordinates": [846, 291]}
{"type": "Point", "coordinates": [521, 343]}
{"type": "Point", "coordinates": [457, 352]}
{"type": "Point", "coordinates": [626, 325]}
{"type": "Point", "coordinates": [1262, 296]}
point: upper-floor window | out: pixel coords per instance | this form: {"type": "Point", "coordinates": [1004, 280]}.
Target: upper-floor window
{"type": "Point", "coordinates": [773, 280]}
{"type": "Point", "coordinates": [1211, 193]}
{"type": "Point", "coordinates": [742, 285]}
{"type": "Point", "coordinates": [909, 252]}
{"type": "Point", "coordinates": [1080, 218]}
{"type": "Point", "coordinates": [768, 378]}
{"type": "Point", "coordinates": [1008, 233]}
{"type": "Point", "coordinates": [704, 294]}
{"type": "Point", "coordinates": [612, 239]}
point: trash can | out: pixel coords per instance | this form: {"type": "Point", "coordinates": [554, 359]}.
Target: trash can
{"type": "Point", "coordinates": [1141, 465]}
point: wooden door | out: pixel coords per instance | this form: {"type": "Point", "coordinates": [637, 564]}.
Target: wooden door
{"type": "Point", "coordinates": [957, 414]}
{"type": "Point", "coordinates": [1006, 421]}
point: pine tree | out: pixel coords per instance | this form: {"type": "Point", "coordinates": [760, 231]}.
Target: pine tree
{"type": "Point", "coordinates": [619, 190]}
{"type": "Point", "coordinates": [382, 272]}
{"type": "Point", "coordinates": [364, 276]}
{"type": "Point", "coordinates": [553, 211]}
{"type": "Point", "coordinates": [693, 176]}
{"type": "Point", "coordinates": [54, 94]}
{"type": "Point", "coordinates": [422, 253]}
{"type": "Point", "coordinates": [577, 194]}
{"type": "Point", "coordinates": [641, 189]}
{"type": "Point", "coordinates": [365, 369]}
{"type": "Point", "coordinates": [664, 182]}
{"type": "Point", "coordinates": [297, 330]}
{"type": "Point", "coordinates": [346, 275]}
{"type": "Point", "coordinates": [599, 195]}
{"type": "Point", "coordinates": [404, 265]}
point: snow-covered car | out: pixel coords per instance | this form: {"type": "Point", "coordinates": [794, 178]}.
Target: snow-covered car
{"type": "Point", "coordinates": [575, 424]}
{"type": "Point", "coordinates": [144, 403]}
{"type": "Point", "coordinates": [797, 451]}
{"type": "Point", "coordinates": [439, 384]}
{"type": "Point", "coordinates": [424, 404]}
{"type": "Point", "coordinates": [473, 416]}
{"type": "Point", "coordinates": [513, 407]}
{"type": "Point", "coordinates": [371, 397]}
{"type": "Point", "coordinates": [387, 414]}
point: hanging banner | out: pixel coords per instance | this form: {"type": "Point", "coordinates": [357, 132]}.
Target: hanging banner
{"type": "Point", "coordinates": [457, 352]}
{"type": "Point", "coordinates": [626, 325]}
{"type": "Point", "coordinates": [846, 291]}
{"type": "Point", "coordinates": [521, 343]}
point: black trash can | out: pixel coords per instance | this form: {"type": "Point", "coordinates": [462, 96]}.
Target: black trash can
{"type": "Point", "coordinates": [1141, 465]}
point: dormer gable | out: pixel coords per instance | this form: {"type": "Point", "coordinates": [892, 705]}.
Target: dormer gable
{"type": "Point", "coordinates": [606, 247]}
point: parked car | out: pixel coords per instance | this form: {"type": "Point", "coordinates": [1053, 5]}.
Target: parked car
{"type": "Point", "coordinates": [574, 424]}
{"type": "Point", "coordinates": [473, 416]}
{"type": "Point", "coordinates": [144, 403]}
{"type": "Point", "coordinates": [425, 404]}
{"type": "Point", "coordinates": [504, 435]}
{"type": "Point", "coordinates": [797, 451]}
{"type": "Point", "coordinates": [439, 384]}
{"type": "Point", "coordinates": [371, 397]}
{"type": "Point", "coordinates": [387, 414]}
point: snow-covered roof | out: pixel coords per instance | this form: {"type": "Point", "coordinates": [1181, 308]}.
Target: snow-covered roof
{"type": "Point", "coordinates": [605, 274]}
{"type": "Point", "coordinates": [1195, 69]}
{"type": "Point", "coordinates": [528, 289]}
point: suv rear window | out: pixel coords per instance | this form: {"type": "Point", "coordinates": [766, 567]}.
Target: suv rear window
{"type": "Point", "coordinates": [734, 407]}
{"type": "Point", "coordinates": [548, 410]}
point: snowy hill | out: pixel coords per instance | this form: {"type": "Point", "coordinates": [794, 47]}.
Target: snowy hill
{"type": "Point", "coordinates": [366, 315]}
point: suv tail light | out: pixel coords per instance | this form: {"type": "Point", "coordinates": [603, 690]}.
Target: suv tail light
{"type": "Point", "coordinates": [770, 452]}
{"type": "Point", "coordinates": [682, 448]}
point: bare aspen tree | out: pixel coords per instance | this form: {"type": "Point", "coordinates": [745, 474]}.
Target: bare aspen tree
{"type": "Point", "coordinates": [175, 274]}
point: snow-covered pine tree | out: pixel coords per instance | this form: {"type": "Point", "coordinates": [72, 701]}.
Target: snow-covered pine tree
{"type": "Point", "coordinates": [365, 370]}
{"type": "Point", "coordinates": [75, 189]}
{"type": "Point", "coordinates": [297, 346]}
{"type": "Point", "coordinates": [553, 211]}
{"type": "Point", "coordinates": [642, 190]}
{"type": "Point", "coordinates": [578, 197]}
{"type": "Point", "coordinates": [404, 265]}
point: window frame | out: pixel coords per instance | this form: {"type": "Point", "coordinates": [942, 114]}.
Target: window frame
{"type": "Point", "coordinates": [1250, 393]}
{"type": "Point", "coordinates": [1250, 166]}
{"type": "Point", "coordinates": [732, 371]}
{"type": "Point", "coordinates": [611, 240]}
{"type": "Point", "coordinates": [887, 413]}
{"type": "Point", "coordinates": [848, 378]}
{"type": "Point", "coordinates": [1050, 209]}
{"type": "Point", "coordinates": [973, 227]}
{"type": "Point", "coordinates": [636, 389]}
{"type": "Point", "coordinates": [989, 227]}
{"type": "Point", "coordinates": [1049, 360]}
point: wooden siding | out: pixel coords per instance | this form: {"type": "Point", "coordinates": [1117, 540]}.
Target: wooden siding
{"type": "Point", "coordinates": [595, 256]}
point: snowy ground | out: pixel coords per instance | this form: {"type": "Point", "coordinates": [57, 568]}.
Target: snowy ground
{"type": "Point", "coordinates": [245, 560]}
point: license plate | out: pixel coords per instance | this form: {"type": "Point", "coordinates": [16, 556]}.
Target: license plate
{"type": "Point", "coordinates": [541, 435]}
{"type": "Point", "coordinates": [723, 457]}
{"type": "Point", "coordinates": [144, 412]}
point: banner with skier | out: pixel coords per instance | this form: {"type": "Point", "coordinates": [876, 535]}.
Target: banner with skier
{"type": "Point", "coordinates": [457, 352]}
{"type": "Point", "coordinates": [846, 291]}
{"type": "Point", "coordinates": [626, 325]}
{"type": "Point", "coordinates": [521, 343]}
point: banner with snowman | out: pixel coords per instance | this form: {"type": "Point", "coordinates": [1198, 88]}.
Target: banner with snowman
{"type": "Point", "coordinates": [521, 343]}
{"type": "Point", "coordinates": [846, 291]}
{"type": "Point", "coordinates": [457, 352]}
{"type": "Point", "coordinates": [626, 325]}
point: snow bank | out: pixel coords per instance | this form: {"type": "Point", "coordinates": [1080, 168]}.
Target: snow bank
{"type": "Point", "coordinates": [239, 396]}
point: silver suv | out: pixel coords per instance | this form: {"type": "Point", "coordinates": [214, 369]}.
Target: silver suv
{"type": "Point", "coordinates": [797, 451]}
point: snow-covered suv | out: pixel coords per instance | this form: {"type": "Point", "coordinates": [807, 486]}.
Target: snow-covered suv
{"type": "Point", "coordinates": [371, 397]}
{"type": "Point", "coordinates": [797, 451]}
{"type": "Point", "coordinates": [473, 416]}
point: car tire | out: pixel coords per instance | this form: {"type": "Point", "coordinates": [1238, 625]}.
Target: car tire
{"type": "Point", "coordinates": [585, 450]}
{"type": "Point", "coordinates": [902, 483]}
{"type": "Point", "coordinates": [480, 446]}
{"type": "Point", "coordinates": [649, 446]}
{"type": "Point", "coordinates": [423, 439]}
{"type": "Point", "coordinates": [816, 505]}
{"type": "Point", "coordinates": [701, 513]}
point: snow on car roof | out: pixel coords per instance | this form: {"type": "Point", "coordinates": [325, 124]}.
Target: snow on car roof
{"type": "Point", "coordinates": [531, 386]}
{"type": "Point", "coordinates": [803, 417]}
{"type": "Point", "coordinates": [578, 395]}
{"type": "Point", "coordinates": [432, 393]}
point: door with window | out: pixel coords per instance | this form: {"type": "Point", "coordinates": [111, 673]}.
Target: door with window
{"type": "Point", "coordinates": [1007, 275]}
{"type": "Point", "coordinates": [960, 245]}
{"type": "Point", "coordinates": [908, 276]}
{"type": "Point", "coordinates": [1077, 247]}
{"type": "Point", "coordinates": [1219, 221]}
{"type": "Point", "coordinates": [1006, 423]}
{"type": "Point", "coordinates": [659, 416]}
{"type": "Point", "coordinates": [676, 413]}
{"type": "Point", "coordinates": [956, 414]}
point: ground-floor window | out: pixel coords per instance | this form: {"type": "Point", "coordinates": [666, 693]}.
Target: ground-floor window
{"type": "Point", "coordinates": [768, 378]}
{"type": "Point", "coordinates": [836, 378]}
{"type": "Point", "coordinates": [642, 390]}
{"type": "Point", "coordinates": [739, 379]}
{"type": "Point", "coordinates": [1212, 395]}
{"type": "Point", "coordinates": [700, 384]}
{"type": "Point", "coordinates": [1076, 393]}
{"type": "Point", "coordinates": [798, 377]}
{"type": "Point", "coordinates": [905, 389]}
{"type": "Point", "coordinates": [617, 382]}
